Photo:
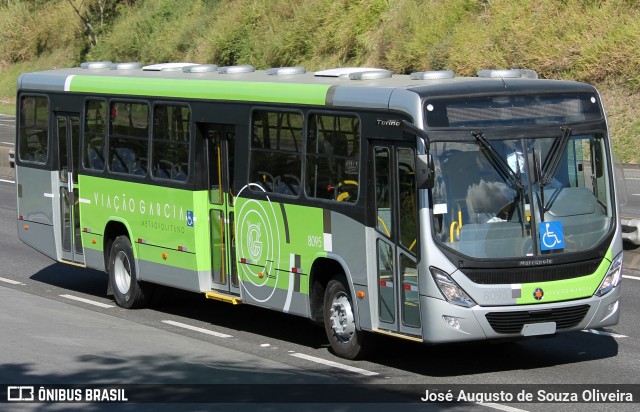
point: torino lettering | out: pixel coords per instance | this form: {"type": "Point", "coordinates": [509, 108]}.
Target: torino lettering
{"type": "Point", "coordinates": [123, 204]}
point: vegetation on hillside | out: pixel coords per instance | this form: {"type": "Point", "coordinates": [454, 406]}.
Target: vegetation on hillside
{"type": "Point", "coordinates": [596, 41]}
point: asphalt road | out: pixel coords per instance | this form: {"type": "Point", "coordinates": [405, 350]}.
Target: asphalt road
{"type": "Point", "coordinates": [48, 336]}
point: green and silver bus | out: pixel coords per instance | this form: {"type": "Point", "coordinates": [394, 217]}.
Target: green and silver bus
{"type": "Point", "coordinates": [428, 207]}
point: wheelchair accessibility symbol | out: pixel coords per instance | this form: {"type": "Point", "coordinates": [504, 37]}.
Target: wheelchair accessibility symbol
{"type": "Point", "coordinates": [551, 235]}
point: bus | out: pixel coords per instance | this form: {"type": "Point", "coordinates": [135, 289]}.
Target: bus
{"type": "Point", "coordinates": [429, 207]}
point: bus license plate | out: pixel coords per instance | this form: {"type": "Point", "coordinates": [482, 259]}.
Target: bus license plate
{"type": "Point", "coordinates": [535, 329]}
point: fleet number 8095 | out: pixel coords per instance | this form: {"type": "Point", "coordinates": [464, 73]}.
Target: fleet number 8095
{"type": "Point", "coordinates": [314, 241]}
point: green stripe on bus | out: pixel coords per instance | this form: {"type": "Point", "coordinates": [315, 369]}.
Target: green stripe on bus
{"type": "Point", "coordinates": [203, 89]}
{"type": "Point", "coordinates": [564, 290]}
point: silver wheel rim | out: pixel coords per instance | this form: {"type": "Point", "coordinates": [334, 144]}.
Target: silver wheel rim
{"type": "Point", "coordinates": [122, 272]}
{"type": "Point", "coordinates": [341, 317]}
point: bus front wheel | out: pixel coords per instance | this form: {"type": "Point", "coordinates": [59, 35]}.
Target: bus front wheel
{"type": "Point", "coordinates": [339, 321]}
{"type": "Point", "coordinates": [127, 290]}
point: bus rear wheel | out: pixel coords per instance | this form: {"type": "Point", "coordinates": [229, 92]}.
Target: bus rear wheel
{"type": "Point", "coordinates": [127, 290]}
{"type": "Point", "coordinates": [339, 321]}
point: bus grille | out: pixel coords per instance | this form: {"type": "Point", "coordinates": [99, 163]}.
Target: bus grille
{"type": "Point", "coordinates": [512, 322]}
{"type": "Point", "coordinates": [531, 274]}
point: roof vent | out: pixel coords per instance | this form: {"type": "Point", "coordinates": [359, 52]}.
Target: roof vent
{"type": "Point", "coordinates": [128, 66]}
{"type": "Point", "coordinates": [167, 66]}
{"type": "Point", "coordinates": [345, 71]}
{"type": "Point", "coordinates": [529, 73]}
{"type": "Point", "coordinates": [371, 75]}
{"type": "Point", "coordinates": [200, 68]}
{"type": "Point", "coordinates": [97, 65]}
{"type": "Point", "coordinates": [236, 69]}
{"type": "Point", "coordinates": [503, 74]}
{"type": "Point", "coordinates": [281, 71]}
{"type": "Point", "coordinates": [433, 75]}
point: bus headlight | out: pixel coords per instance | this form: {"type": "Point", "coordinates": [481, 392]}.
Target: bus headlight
{"type": "Point", "coordinates": [450, 289]}
{"type": "Point", "coordinates": [613, 277]}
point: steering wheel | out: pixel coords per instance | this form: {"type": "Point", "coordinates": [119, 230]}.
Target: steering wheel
{"type": "Point", "coordinates": [344, 190]}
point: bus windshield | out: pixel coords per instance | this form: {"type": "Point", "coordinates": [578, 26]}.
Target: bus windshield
{"type": "Point", "coordinates": [501, 198]}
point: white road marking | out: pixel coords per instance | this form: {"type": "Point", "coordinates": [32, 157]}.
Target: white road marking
{"type": "Point", "coordinates": [11, 281]}
{"type": "Point", "coordinates": [599, 332]}
{"type": "Point", "coordinates": [501, 407]}
{"type": "Point", "coordinates": [334, 364]}
{"type": "Point", "coordinates": [90, 302]}
{"type": "Point", "coordinates": [7, 181]}
{"type": "Point", "coordinates": [631, 277]}
{"type": "Point", "coordinates": [197, 329]}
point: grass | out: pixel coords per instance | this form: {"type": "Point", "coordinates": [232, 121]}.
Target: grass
{"type": "Point", "coordinates": [586, 40]}
{"type": "Point", "coordinates": [7, 107]}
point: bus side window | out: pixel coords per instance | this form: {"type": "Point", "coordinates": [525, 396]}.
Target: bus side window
{"type": "Point", "coordinates": [33, 133]}
{"type": "Point", "coordinates": [333, 147]}
{"type": "Point", "coordinates": [276, 146]}
{"type": "Point", "coordinates": [95, 129]}
{"type": "Point", "coordinates": [170, 142]}
{"type": "Point", "coordinates": [128, 139]}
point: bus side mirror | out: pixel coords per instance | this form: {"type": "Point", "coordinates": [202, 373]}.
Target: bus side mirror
{"type": "Point", "coordinates": [425, 171]}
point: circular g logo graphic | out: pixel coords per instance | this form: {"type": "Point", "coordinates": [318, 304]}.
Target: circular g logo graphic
{"type": "Point", "coordinates": [254, 245]}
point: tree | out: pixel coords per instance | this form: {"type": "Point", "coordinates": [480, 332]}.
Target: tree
{"type": "Point", "coordinates": [96, 15]}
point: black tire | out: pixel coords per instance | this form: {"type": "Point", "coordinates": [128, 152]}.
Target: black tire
{"type": "Point", "coordinates": [339, 322]}
{"type": "Point", "coordinates": [128, 291]}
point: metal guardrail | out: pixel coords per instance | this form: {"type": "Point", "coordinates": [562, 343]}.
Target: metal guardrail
{"type": "Point", "coordinates": [7, 128]}
{"type": "Point", "coordinates": [7, 145]}
{"type": "Point", "coordinates": [629, 198]}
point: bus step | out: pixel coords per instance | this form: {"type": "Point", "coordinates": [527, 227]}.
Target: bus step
{"type": "Point", "coordinates": [398, 335]}
{"type": "Point", "coordinates": [234, 300]}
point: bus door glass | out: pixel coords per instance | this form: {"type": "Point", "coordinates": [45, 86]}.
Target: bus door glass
{"type": "Point", "coordinates": [68, 138]}
{"type": "Point", "coordinates": [220, 141]}
{"type": "Point", "coordinates": [396, 240]}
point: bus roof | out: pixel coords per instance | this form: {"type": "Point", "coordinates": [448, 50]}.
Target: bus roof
{"type": "Point", "coordinates": [351, 86]}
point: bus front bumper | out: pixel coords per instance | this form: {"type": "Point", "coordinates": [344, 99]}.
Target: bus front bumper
{"type": "Point", "coordinates": [444, 322]}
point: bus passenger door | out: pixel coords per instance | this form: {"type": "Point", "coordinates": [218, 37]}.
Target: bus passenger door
{"type": "Point", "coordinates": [220, 141]}
{"type": "Point", "coordinates": [68, 138]}
{"type": "Point", "coordinates": [396, 240]}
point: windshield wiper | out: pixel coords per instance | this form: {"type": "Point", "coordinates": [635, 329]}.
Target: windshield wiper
{"type": "Point", "coordinates": [545, 174]}
{"type": "Point", "coordinates": [552, 161]}
{"type": "Point", "coordinates": [498, 163]}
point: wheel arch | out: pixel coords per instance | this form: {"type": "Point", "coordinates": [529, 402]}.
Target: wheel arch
{"type": "Point", "coordinates": [114, 228]}
{"type": "Point", "coordinates": [322, 271]}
